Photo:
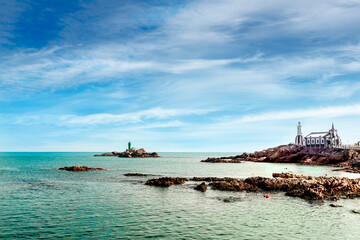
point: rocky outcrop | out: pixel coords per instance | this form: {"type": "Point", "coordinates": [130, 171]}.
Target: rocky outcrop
{"type": "Point", "coordinates": [111, 154]}
{"type": "Point", "coordinates": [295, 185]}
{"type": "Point", "coordinates": [232, 159]}
{"type": "Point", "coordinates": [132, 153]}
{"type": "Point", "coordinates": [79, 168]}
{"type": "Point", "coordinates": [201, 187]}
{"type": "Point", "coordinates": [136, 175]}
{"type": "Point", "coordinates": [307, 187]}
{"type": "Point", "coordinates": [234, 185]}
{"type": "Point", "coordinates": [353, 166]}
{"type": "Point", "coordinates": [294, 154]}
{"type": "Point", "coordinates": [165, 181]}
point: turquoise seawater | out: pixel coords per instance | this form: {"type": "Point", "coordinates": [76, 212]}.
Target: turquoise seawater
{"type": "Point", "coordinates": [38, 201]}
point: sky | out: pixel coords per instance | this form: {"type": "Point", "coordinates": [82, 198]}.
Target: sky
{"type": "Point", "coordinates": [224, 75]}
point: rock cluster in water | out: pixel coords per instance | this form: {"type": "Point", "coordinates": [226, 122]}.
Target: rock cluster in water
{"type": "Point", "coordinates": [80, 168]}
{"type": "Point", "coordinates": [296, 185]}
{"type": "Point", "coordinates": [294, 154]}
{"type": "Point", "coordinates": [165, 181]}
{"type": "Point", "coordinates": [132, 153]}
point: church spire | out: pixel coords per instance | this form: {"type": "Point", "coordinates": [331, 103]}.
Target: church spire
{"type": "Point", "coordinates": [299, 140]}
{"type": "Point", "coordinates": [332, 128]}
{"type": "Point", "coordinates": [299, 129]}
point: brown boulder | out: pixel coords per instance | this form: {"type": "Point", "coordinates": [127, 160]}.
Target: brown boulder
{"type": "Point", "coordinates": [165, 181]}
{"type": "Point", "coordinates": [201, 187]}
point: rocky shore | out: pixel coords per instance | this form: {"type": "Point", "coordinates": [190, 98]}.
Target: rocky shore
{"type": "Point", "coordinates": [296, 154]}
{"type": "Point", "coordinates": [132, 153]}
{"type": "Point", "coordinates": [79, 168]}
{"type": "Point", "coordinates": [295, 185]}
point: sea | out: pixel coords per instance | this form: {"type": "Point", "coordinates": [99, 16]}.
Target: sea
{"type": "Point", "coordinates": [37, 201]}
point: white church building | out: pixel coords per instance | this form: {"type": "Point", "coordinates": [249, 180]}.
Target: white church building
{"type": "Point", "coordinates": [328, 139]}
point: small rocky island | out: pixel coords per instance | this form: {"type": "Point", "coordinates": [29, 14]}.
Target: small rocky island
{"type": "Point", "coordinates": [79, 168]}
{"type": "Point", "coordinates": [129, 153]}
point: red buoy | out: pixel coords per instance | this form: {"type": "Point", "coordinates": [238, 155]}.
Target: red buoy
{"type": "Point", "coordinates": [267, 196]}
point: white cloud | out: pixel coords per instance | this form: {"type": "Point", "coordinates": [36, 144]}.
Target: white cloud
{"type": "Point", "coordinates": [135, 117]}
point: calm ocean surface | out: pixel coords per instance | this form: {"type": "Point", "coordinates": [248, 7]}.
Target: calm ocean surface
{"type": "Point", "coordinates": [38, 201]}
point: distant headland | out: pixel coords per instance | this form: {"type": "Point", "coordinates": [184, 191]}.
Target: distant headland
{"type": "Point", "coordinates": [319, 148]}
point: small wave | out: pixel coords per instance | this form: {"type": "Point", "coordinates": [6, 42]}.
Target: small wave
{"type": "Point", "coordinates": [9, 169]}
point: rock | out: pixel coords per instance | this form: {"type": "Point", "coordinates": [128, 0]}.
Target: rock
{"type": "Point", "coordinates": [223, 160]}
{"type": "Point", "coordinates": [233, 185]}
{"type": "Point", "coordinates": [210, 179]}
{"type": "Point", "coordinates": [201, 187]}
{"type": "Point", "coordinates": [349, 170]}
{"type": "Point", "coordinates": [295, 154]}
{"type": "Point", "coordinates": [334, 205]}
{"type": "Point", "coordinates": [165, 181]}
{"type": "Point", "coordinates": [135, 175]}
{"type": "Point", "coordinates": [79, 168]}
{"type": "Point", "coordinates": [230, 199]}
{"type": "Point", "coordinates": [355, 211]}
{"type": "Point", "coordinates": [111, 154]}
{"type": "Point", "coordinates": [355, 163]}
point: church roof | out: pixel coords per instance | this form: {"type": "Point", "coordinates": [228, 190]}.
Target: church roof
{"type": "Point", "coordinates": [317, 134]}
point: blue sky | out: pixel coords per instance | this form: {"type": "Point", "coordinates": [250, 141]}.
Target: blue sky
{"type": "Point", "coordinates": [225, 75]}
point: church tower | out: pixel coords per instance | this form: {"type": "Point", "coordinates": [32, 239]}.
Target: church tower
{"type": "Point", "coordinates": [299, 140]}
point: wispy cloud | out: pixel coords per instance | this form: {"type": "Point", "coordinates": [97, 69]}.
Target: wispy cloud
{"type": "Point", "coordinates": [324, 112]}
{"type": "Point", "coordinates": [144, 116]}
{"type": "Point", "coordinates": [135, 117]}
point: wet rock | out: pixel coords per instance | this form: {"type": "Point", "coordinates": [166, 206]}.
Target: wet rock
{"type": "Point", "coordinates": [355, 211]}
{"type": "Point", "coordinates": [349, 170]}
{"type": "Point", "coordinates": [223, 160]}
{"type": "Point", "coordinates": [230, 199]}
{"type": "Point", "coordinates": [201, 187]}
{"type": "Point", "coordinates": [335, 205]}
{"type": "Point", "coordinates": [111, 154]}
{"type": "Point", "coordinates": [293, 184]}
{"type": "Point", "coordinates": [209, 179]}
{"type": "Point", "coordinates": [135, 175]}
{"type": "Point", "coordinates": [79, 168]}
{"type": "Point", "coordinates": [165, 181]}
{"type": "Point", "coordinates": [296, 185]}
{"type": "Point", "coordinates": [233, 185]}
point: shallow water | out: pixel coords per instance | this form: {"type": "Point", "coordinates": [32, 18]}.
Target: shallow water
{"type": "Point", "coordinates": [38, 201]}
